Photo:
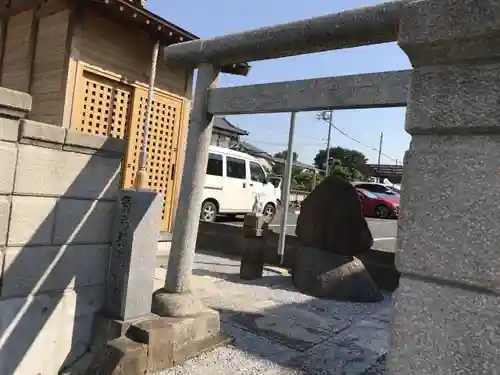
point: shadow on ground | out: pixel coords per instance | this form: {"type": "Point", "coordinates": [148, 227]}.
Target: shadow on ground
{"type": "Point", "coordinates": [278, 330]}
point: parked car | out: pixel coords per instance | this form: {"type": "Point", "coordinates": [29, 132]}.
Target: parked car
{"type": "Point", "coordinates": [232, 181]}
{"type": "Point", "coordinates": [375, 187]}
{"type": "Point", "coordinates": [395, 188]}
{"type": "Point", "coordinates": [382, 206]}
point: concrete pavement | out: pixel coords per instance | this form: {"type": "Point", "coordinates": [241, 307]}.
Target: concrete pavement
{"type": "Point", "coordinates": [279, 331]}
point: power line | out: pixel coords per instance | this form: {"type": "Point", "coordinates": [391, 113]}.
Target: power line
{"type": "Point", "coordinates": [361, 143]}
{"type": "Point", "coordinates": [284, 144]}
{"type": "Point", "coordinates": [320, 144]}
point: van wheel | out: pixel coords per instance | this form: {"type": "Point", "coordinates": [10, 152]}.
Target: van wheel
{"type": "Point", "coordinates": [269, 212]}
{"type": "Point", "coordinates": [208, 211]}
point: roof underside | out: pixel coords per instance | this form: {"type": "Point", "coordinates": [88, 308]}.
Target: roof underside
{"type": "Point", "coordinates": [135, 16]}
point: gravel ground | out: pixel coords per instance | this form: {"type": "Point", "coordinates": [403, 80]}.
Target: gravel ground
{"type": "Point", "coordinates": [277, 330]}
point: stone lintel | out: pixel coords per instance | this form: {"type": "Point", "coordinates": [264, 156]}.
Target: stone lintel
{"type": "Point", "coordinates": [372, 90]}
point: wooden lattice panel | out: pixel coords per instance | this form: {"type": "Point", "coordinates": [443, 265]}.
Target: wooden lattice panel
{"type": "Point", "coordinates": [105, 106]}
{"type": "Point", "coordinates": [163, 129]}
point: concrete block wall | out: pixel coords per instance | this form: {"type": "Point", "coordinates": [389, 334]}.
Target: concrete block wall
{"type": "Point", "coordinates": [57, 201]}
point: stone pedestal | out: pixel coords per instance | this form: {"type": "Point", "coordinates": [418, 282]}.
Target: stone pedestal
{"type": "Point", "coordinates": [446, 308]}
{"type": "Point", "coordinates": [182, 328]}
{"type": "Point", "coordinates": [253, 258]}
{"type": "Point", "coordinates": [172, 341]}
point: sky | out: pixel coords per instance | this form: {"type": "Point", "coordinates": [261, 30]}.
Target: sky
{"type": "Point", "coordinates": [269, 132]}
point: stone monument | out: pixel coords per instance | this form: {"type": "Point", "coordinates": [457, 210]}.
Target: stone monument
{"type": "Point", "coordinates": [331, 219]}
{"type": "Point", "coordinates": [331, 229]}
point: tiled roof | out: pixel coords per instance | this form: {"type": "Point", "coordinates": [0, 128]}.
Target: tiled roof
{"type": "Point", "coordinates": [255, 151]}
{"type": "Point", "coordinates": [223, 123]}
{"type": "Point", "coordinates": [134, 15]}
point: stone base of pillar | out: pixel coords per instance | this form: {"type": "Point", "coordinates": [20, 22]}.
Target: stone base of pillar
{"type": "Point", "coordinates": [121, 356]}
{"type": "Point", "coordinates": [176, 305]}
{"type": "Point", "coordinates": [171, 341]}
{"type": "Point", "coordinates": [112, 351]}
{"type": "Point", "coordinates": [154, 343]}
{"type": "Point", "coordinates": [181, 328]}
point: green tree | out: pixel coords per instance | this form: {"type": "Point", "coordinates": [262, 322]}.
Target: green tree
{"type": "Point", "coordinates": [301, 180]}
{"type": "Point", "coordinates": [337, 169]}
{"type": "Point", "coordinates": [279, 168]}
{"type": "Point", "coordinates": [284, 154]}
{"type": "Point", "coordinates": [352, 159]}
{"type": "Point", "coordinates": [349, 159]}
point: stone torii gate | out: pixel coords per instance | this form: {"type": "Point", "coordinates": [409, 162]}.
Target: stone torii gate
{"type": "Point", "coordinates": [446, 309]}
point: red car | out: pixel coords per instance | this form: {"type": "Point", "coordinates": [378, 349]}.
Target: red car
{"type": "Point", "coordinates": [379, 205]}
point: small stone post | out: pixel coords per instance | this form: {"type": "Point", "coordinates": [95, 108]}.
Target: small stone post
{"type": "Point", "coordinates": [253, 258]}
{"type": "Point", "coordinates": [175, 299]}
{"type": "Point", "coordinates": [446, 318]}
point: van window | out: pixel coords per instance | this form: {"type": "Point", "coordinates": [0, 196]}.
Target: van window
{"type": "Point", "coordinates": [214, 165]}
{"type": "Point", "coordinates": [256, 172]}
{"type": "Point", "coordinates": [236, 168]}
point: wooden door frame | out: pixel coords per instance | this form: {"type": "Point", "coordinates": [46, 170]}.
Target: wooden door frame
{"type": "Point", "coordinates": [137, 89]}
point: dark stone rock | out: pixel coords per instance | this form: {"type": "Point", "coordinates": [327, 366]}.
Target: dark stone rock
{"type": "Point", "coordinates": [381, 267]}
{"type": "Point", "coordinates": [326, 275]}
{"type": "Point", "coordinates": [331, 219]}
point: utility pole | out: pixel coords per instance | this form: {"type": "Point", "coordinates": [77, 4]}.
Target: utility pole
{"type": "Point", "coordinates": [287, 178]}
{"type": "Point", "coordinates": [379, 153]}
{"type": "Point", "coordinates": [327, 162]}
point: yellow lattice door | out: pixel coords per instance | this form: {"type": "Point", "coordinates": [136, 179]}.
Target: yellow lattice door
{"type": "Point", "coordinates": [163, 133]}
{"type": "Point", "coordinates": [104, 106]}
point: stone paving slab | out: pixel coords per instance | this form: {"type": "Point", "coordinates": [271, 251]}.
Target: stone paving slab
{"type": "Point", "coordinates": [279, 331]}
{"type": "Point", "coordinates": [350, 352]}
{"type": "Point", "coordinates": [378, 368]}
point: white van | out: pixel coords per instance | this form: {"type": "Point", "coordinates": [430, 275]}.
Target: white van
{"type": "Point", "coordinates": [276, 181]}
{"type": "Point", "coordinates": [233, 180]}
